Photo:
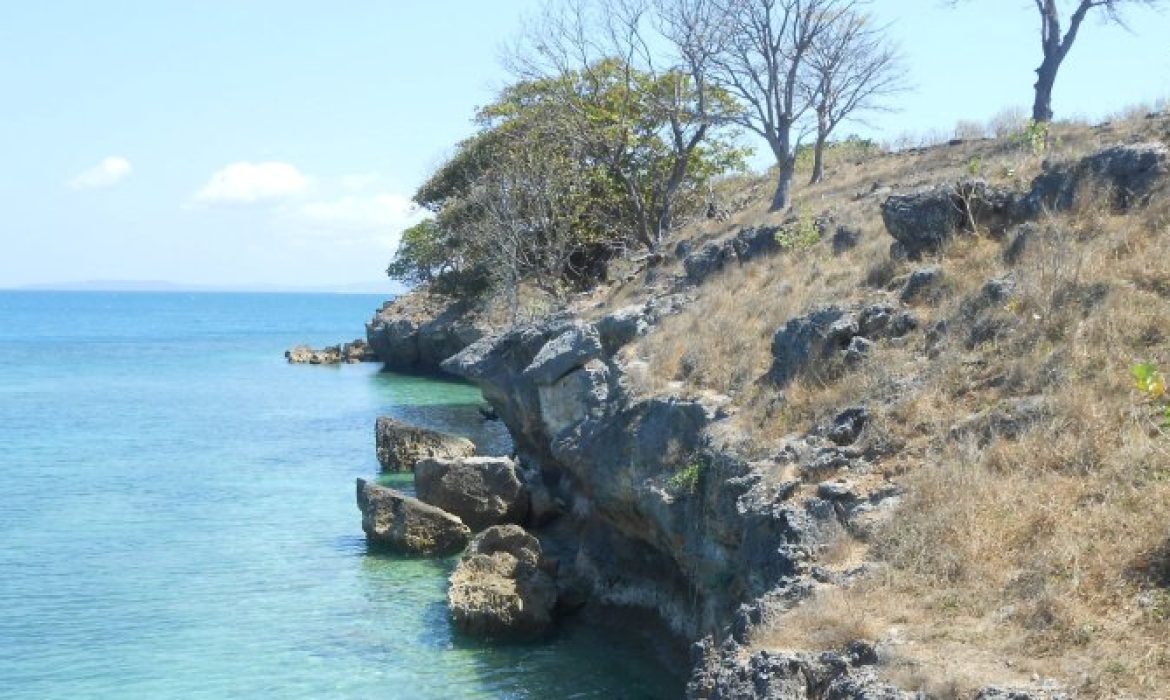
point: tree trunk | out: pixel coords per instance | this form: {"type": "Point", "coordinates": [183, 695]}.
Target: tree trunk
{"type": "Point", "coordinates": [783, 195]}
{"type": "Point", "coordinates": [818, 171]}
{"type": "Point", "coordinates": [1045, 79]}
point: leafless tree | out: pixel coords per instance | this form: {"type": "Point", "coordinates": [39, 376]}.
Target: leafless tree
{"type": "Point", "coordinates": [764, 52]}
{"type": "Point", "coordinates": [852, 68]}
{"type": "Point", "coordinates": [1055, 44]}
{"type": "Point", "coordinates": [1056, 40]}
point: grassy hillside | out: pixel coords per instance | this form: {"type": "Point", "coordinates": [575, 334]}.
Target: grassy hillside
{"type": "Point", "coordinates": [1033, 535]}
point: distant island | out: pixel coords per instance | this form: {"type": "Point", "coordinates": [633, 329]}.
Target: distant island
{"type": "Point", "coordinates": [166, 286]}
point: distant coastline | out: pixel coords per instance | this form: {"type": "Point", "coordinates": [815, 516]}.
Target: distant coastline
{"type": "Point", "coordinates": [165, 286]}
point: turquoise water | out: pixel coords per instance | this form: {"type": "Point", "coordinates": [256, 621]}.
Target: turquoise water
{"type": "Point", "coordinates": [177, 515]}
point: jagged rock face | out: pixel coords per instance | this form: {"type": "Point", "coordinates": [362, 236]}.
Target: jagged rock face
{"type": "Point", "coordinates": [482, 491]}
{"type": "Point", "coordinates": [829, 339]}
{"type": "Point", "coordinates": [690, 554]}
{"type": "Point", "coordinates": [401, 446]}
{"type": "Point", "coordinates": [765, 675]}
{"type": "Point", "coordinates": [398, 522]}
{"type": "Point", "coordinates": [1131, 173]}
{"type": "Point", "coordinates": [416, 332]}
{"type": "Point", "coordinates": [499, 590]}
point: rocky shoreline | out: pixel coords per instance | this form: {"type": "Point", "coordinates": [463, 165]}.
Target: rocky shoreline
{"type": "Point", "coordinates": [590, 510]}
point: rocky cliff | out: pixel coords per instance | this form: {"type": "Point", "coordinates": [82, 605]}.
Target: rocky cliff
{"type": "Point", "coordinates": [646, 499]}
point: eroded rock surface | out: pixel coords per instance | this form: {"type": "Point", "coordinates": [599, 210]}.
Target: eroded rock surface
{"type": "Point", "coordinates": [499, 590]}
{"type": "Point", "coordinates": [398, 522]}
{"type": "Point", "coordinates": [482, 491]}
{"type": "Point", "coordinates": [400, 446]}
{"type": "Point", "coordinates": [345, 353]}
{"type": "Point", "coordinates": [415, 333]}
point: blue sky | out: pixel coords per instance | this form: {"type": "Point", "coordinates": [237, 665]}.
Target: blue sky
{"type": "Point", "coordinates": [277, 142]}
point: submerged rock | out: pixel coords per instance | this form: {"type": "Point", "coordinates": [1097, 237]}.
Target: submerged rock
{"type": "Point", "coordinates": [482, 491]}
{"type": "Point", "coordinates": [499, 590]}
{"type": "Point", "coordinates": [400, 446]}
{"type": "Point", "coordinates": [397, 521]}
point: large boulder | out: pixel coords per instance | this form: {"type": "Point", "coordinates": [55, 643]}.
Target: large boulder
{"type": "Point", "coordinates": [921, 222]}
{"type": "Point", "coordinates": [482, 491]}
{"type": "Point", "coordinates": [396, 521]}
{"type": "Point", "coordinates": [499, 590]}
{"type": "Point", "coordinates": [400, 446]}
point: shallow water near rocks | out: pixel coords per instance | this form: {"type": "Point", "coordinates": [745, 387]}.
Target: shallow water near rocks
{"type": "Point", "coordinates": [177, 515]}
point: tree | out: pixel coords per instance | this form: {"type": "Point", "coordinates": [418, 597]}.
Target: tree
{"type": "Point", "coordinates": [763, 51]}
{"type": "Point", "coordinates": [634, 76]}
{"type": "Point", "coordinates": [1055, 45]}
{"type": "Point", "coordinates": [852, 68]}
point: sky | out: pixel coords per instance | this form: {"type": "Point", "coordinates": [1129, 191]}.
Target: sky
{"type": "Point", "coordinates": [253, 143]}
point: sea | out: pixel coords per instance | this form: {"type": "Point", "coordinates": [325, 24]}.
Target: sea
{"type": "Point", "coordinates": [177, 515]}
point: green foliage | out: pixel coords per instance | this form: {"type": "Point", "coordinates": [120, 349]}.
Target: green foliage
{"type": "Point", "coordinates": [1034, 136]}
{"type": "Point", "coordinates": [422, 254]}
{"type": "Point", "coordinates": [801, 234]}
{"type": "Point", "coordinates": [687, 478]}
{"type": "Point", "coordinates": [1149, 380]}
{"type": "Point", "coordinates": [564, 170]}
{"type": "Point", "coordinates": [975, 166]}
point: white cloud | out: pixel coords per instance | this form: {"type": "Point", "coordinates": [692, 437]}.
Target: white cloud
{"type": "Point", "coordinates": [107, 173]}
{"type": "Point", "coordinates": [385, 214]}
{"type": "Point", "coordinates": [246, 183]}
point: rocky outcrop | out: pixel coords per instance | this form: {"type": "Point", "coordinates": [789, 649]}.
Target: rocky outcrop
{"type": "Point", "coordinates": [400, 446]}
{"type": "Point", "coordinates": [403, 524]}
{"type": "Point", "coordinates": [629, 534]}
{"type": "Point", "coordinates": [848, 674]}
{"type": "Point", "coordinates": [922, 222]}
{"type": "Point", "coordinates": [345, 353]}
{"type": "Point", "coordinates": [1129, 174]}
{"type": "Point", "coordinates": [499, 589]}
{"type": "Point", "coordinates": [482, 491]}
{"type": "Point", "coordinates": [828, 339]}
{"type": "Point", "coordinates": [416, 332]}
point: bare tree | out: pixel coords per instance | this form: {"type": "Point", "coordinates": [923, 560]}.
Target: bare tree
{"type": "Point", "coordinates": [1055, 41]}
{"type": "Point", "coordinates": [1055, 44]}
{"type": "Point", "coordinates": [852, 68]}
{"type": "Point", "coordinates": [764, 51]}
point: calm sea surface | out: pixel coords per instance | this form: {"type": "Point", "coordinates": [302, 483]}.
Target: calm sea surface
{"type": "Point", "coordinates": [177, 515]}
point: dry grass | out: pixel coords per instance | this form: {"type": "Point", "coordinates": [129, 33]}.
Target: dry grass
{"type": "Point", "coordinates": [1046, 551]}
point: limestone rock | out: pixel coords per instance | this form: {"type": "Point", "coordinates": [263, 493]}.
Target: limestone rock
{"type": "Point", "coordinates": [404, 524]}
{"type": "Point", "coordinates": [482, 491]}
{"type": "Point", "coordinates": [499, 590]}
{"type": "Point", "coordinates": [418, 331]}
{"type": "Point", "coordinates": [923, 221]}
{"type": "Point", "coordinates": [808, 339]}
{"type": "Point", "coordinates": [348, 353]}
{"type": "Point", "coordinates": [400, 446]}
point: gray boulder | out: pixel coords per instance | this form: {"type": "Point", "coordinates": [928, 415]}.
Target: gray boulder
{"type": "Point", "coordinates": [499, 590]}
{"type": "Point", "coordinates": [810, 339]}
{"type": "Point", "coordinates": [482, 491]}
{"type": "Point", "coordinates": [924, 284]}
{"type": "Point", "coordinates": [404, 524]}
{"type": "Point", "coordinates": [400, 446]}
{"type": "Point", "coordinates": [923, 221]}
